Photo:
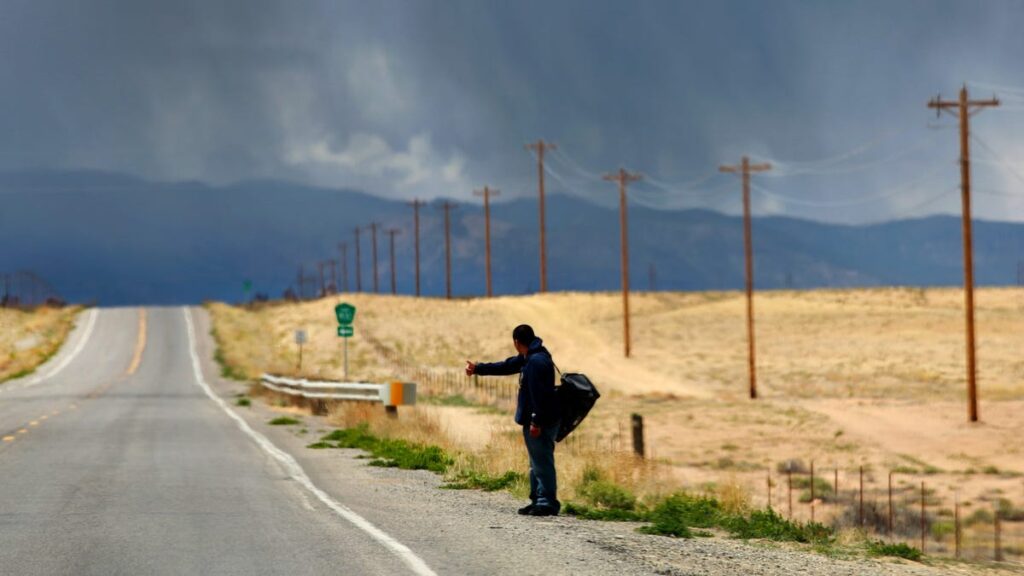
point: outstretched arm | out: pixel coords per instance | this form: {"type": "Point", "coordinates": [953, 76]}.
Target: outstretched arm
{"type": "Point", "coordinates": [506, 368]}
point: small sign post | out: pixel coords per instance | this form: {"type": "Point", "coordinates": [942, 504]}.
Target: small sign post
{"type": "Point", "coordinates": [346, 314]}
{"type": "Point", "coordinates": [300, 339]}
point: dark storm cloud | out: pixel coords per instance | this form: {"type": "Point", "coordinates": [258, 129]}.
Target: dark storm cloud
{"type": "Point", "coordinates": [434, 98]}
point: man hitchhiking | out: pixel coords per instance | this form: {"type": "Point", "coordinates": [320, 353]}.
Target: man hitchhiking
{"type": "Point", "coordinates": [536, 412]}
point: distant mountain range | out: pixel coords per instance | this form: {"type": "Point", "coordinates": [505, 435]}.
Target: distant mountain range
{"type": "Point", "coordinates": [120, 240]}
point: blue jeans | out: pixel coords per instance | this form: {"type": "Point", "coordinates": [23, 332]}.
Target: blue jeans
{"type": "Point", "coordinates": [543, 483]}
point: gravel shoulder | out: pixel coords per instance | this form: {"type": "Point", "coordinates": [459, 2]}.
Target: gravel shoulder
{"type": "Point", "coordinates": [471, 532]}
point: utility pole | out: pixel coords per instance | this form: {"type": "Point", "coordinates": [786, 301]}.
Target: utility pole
{"type": "Point", "coordinates": [302, 283]}
{"type": "Point", "coordinates": [744, 169]}
{"type": "Point", "coordinates": [332, 286]}
{"type": "Point", "coordinates": [623, 178]}
{"type": "Point", "coordinates": [416, 203]}
{"type": "Point", "coordinates": [963, 108]}
{"type": "Point", "coordinates": [391, 233]}
{"type": "Point", "coordinates": [652, 277]}
{"type": "Point", "coordinates": [540, 146]}
{"type": "Point", "coordinates": [359, 266]}
{"type": "Point", "coordinates": [487, 193]}
{"type": "Point", "coordinates": [323, 286]}
{"type": "Point", "coordinates": [343, 249]}
{"type": "Point", "coordinates": [447, 207]}
{"type": "Point", "coordinates": [376, 280]}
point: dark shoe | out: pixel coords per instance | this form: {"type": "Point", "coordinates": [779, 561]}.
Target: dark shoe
{"type": "Point", "coordinates": [526, 510]}
{"type": "Point", "coordinates": [543, 511]}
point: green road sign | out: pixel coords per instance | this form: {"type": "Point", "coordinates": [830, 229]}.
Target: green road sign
{"type": "Point", "coordinates": [247, 285]}
{"type": "Point", "coordinates": [346, 313]}
{"type": "Point", "coordinates": [345, 331]}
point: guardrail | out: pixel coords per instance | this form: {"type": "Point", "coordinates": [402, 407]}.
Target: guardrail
{"type": "Point", "coordinates": [391, 394]}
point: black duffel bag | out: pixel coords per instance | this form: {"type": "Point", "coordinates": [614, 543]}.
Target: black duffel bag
{"type": "Point", "coordinates": [576, 396]}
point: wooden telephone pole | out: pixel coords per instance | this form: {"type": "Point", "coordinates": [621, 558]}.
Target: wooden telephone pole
{"type": "Point", "coordinates": [487, 193]}
{"type": "Point", "coordinates": [343, 250]}
{"type": "Point", "coordinates": [416, 203]}
{"type": "Point", "coordinates": [963, 108]}
{"type": "Point", "coordinates": [540, 146]}
{"type": "Point", "coordinates": [323, 285]}
{"type": "Point", "coordinates": [744, 169]}
{"type": "Point", "coordinates": [391, 235]}
{"type": "Point", "coordinates": [359, 264]}
{"type": "Point", "coordinates": [624, 178]}
{"type": "Point", "coordinates": [332, 286]}
{"type": "Point", "coordinates": [373, 235]}
{"type": "Point", "coordinates": [447, 207]}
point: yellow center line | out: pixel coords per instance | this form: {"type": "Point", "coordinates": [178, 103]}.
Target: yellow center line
{"type": "Point", "coordinates": [33, 423]}
{"type": "Point", "coordinates": [44, 417]}
{"type": "Point", "coordinates": [23, 431]}
{"type": "Point", "coordinates": [8, 438]}
{"type": "Point", "coordinates": [140, 344]}
{"type": "Point", "coordinates": [55, 412]}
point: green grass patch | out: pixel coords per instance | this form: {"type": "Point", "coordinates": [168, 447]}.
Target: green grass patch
{"type": "Point", "coordinates": [21, 373]}
{"type": "Point", "coordinates": [243, 402]}
{"type": "Point", "coordinates": [901, 550]}
{"type": "Point", "coordinates": [390, 453]}
{"type": "Point", "coordinates": [451, 400]}
{"type": "Point", "coordinates": [476, 480]}
{"type": "Point", "coordinates": [769, 525]}
{"type": "Point", "coordinates": [611, 515]}
{"type": "Point", "coordinates": [284, 421]}
{"type": "Point", "coordinates": [674, 515]}
{"type": "Point", "coordinates": [226, 369]}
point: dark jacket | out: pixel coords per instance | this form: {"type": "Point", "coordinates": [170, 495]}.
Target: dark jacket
{"type": "Point", "coordinates": [537, 402]}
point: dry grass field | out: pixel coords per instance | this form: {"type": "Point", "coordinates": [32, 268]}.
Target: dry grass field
{"type": "Point", "coordinates": [848, 378]}
{"type": "Point", "coordinates": [29, 337]}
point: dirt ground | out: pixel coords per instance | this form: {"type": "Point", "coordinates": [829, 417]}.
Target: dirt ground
{"type": "Point", "coordinates": [846, 378]}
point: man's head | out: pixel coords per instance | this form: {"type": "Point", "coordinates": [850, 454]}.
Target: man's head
{"type": "Point", "coordinates": [522, 337]}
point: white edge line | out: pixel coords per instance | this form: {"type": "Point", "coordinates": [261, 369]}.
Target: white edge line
{"type": "Point", "coordinates": [64, 361]}
{"type": "Point", "coordinates": [293, 468]}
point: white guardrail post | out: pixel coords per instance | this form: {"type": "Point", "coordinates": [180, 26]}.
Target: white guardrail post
{"type": "Point", "coordinates": [391, 395]}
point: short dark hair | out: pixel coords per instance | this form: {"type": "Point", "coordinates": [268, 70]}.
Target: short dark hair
{"type": "Point", "coordinates": [523, 334]}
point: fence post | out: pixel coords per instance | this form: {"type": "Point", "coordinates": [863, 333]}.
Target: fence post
{"type": "Point", "coordinates": [638, 435]}
{"type": "Point", "coordinates": [889, 522]}
{"type": "Point", "coordinates": [922, 518]}
{"type": "Point", "coordinates": [769, 488]}
{"type": "Point", "coordinates": [998, 530]}
{"type": "Point", "coordinates": [860, 514]}
{"type": "Point", "coordinates": [812, 491]}
{"type": "Point", "coordinates": [956, 524]}
{"type": "Point", "coordinates": [789, 483]}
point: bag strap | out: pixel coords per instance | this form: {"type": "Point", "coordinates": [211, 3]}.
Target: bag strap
{"type": "Point", "coordinates": [556, 368]}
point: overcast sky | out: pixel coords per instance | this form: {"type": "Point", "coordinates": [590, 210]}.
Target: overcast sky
{"type": "Point", "coordinates": [428, 99]}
